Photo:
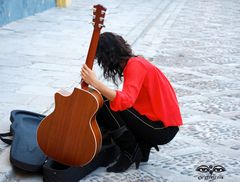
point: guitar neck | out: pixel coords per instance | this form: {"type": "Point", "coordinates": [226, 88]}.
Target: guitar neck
{"type": "Point", "coordinates": [92, 49]}
{"type": "Point", "coordinates": [98, 17]}
{"type": "Point", "coordinates": [91, 53]}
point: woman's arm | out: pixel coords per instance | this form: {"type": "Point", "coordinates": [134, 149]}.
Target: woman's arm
{"type": "Point", "coordinates": [90, 78]}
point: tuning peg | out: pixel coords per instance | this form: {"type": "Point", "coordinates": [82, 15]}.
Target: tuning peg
{"type": "Point", "coordinates": [93, 9]}
{"type": "Point", "coordinates": [91, 22]}
{"type": "Point", "coordinates": [101, 18]}
{"type": "Point", "coordinates": [101, 25]}
{"type": "Point", "coordinates": [103, 12]}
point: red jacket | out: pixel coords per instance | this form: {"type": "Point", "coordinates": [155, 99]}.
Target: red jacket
{"type": "Point", "coordinates": [148, 91]}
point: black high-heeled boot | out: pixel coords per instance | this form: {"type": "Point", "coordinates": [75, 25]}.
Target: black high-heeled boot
{"type": "Point", "coordinates": [126, 160]}
{"type": "Point", "coordinates": [130, 150]}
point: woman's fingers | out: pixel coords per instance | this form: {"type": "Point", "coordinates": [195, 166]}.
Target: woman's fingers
{"type": "Point", "coordinates": [86, 67]}
{"type": "Point", "coordinates": [84, 70]}
{"type": "Point", "coordinates": [85, 73]}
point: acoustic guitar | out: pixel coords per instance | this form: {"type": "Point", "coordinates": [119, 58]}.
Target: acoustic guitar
{"type": "Point", "coordinates": [70, 134]}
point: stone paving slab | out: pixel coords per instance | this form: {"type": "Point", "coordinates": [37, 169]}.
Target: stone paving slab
{"type": "Point", "coordinates": [195, 43]}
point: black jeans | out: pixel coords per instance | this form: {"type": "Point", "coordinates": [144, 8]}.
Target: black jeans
{"type": "Point", "coordinates": [144, 130]}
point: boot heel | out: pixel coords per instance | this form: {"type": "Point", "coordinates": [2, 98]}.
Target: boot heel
{"type": "Point", "coordinates": [137, 164]}
{"type": "Point", "coordinates": [138, 157]}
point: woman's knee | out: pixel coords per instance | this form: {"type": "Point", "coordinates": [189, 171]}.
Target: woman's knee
{"type": "Point", "coordinates": [166, 136]}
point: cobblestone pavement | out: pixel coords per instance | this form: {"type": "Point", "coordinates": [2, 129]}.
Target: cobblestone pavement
{"type": "Point", "coordinates": [195, 43]}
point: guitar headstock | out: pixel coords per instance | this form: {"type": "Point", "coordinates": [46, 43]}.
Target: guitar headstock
{"type": "Point", "coordinates": [98, 16]}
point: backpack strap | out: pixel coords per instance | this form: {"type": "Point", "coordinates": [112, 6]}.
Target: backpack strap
{"type": "Point", "coordinates": [5, 137]}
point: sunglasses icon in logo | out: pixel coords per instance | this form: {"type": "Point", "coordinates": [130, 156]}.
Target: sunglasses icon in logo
{"type": "Point", "coordinates": [210, 169]}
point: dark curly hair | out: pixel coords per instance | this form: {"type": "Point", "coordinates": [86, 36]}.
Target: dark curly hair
{"type": "Point", "coordinates": [113, 53]}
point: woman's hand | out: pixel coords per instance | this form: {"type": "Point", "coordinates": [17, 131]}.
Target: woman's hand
{"type": "Point", "coordinates": [88, 75]}
{"type": "Point", "coordinates": [90, 78]}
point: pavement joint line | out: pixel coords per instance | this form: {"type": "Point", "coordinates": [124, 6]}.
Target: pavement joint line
{"type": "Point", "coordinates": [154, 19]}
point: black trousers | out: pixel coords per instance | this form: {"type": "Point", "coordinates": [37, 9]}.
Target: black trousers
{"type": "Point", "coordinates": [144, 130]}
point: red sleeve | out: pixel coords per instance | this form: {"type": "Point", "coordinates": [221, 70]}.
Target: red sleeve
{"type": "Point", "coordinates": [134, 74]}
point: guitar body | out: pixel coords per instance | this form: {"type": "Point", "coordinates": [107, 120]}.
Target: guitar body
{"type": "Point", "coordinates": [70, 134]}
